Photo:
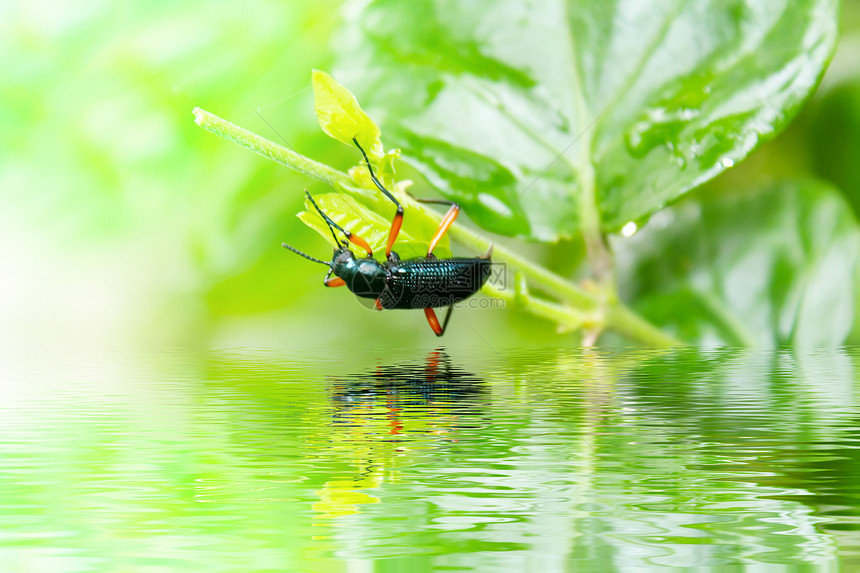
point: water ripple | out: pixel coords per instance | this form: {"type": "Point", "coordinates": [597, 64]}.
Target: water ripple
{"type": "Point", "coordinates": [592, 459]}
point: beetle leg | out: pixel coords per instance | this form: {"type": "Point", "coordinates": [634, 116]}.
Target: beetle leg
{"type": "Point", "coordinates": [378, 304]}
{"type": "Point", "coordinates": [359, 242]}
{"type": "Point", "coordinates": [395, 230]}
{"type": "Point", "coordinates": [434, 320]}
{"type": "Point", "coordinates": [331, 281]}
{"type": "Point", "coordinates": [445, 223]}
{"type": "Point", "coordinates": [443, 226]}
{"type": "Point", "coordinates": [397, 222]}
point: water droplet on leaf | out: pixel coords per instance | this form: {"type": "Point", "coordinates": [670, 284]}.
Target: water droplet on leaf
{"type": "Point", "coordinates": [629, 229]}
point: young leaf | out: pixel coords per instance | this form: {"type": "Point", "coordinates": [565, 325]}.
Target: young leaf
{"type": "Point", "coordinates": [354, 217]}
{"type": "Point", "coordinates": [342, 118]}
{"type": "Point", "coordinates": [523, 110]}
{"type": "Point", "coordinates": [778, 266]}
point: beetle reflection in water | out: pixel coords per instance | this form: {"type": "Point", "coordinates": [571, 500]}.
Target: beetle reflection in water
{"type": "Point", "coordinates": [381, 416]}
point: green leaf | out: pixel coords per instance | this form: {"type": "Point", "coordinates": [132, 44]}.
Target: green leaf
{"type": "Point", "coordinates": [524, 111]}
{"type": "Point", "coordinates": [354, 217]}
{"type": "Point", "coordinates": [778, 266]}
{"type": "Point", "coordinates": [342, 118]}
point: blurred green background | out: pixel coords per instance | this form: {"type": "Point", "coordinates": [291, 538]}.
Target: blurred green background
{"type": "Point", "coordinates": [123, 223]}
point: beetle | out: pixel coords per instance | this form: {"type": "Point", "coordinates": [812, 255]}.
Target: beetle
{"type": "Point", "coordinates": [424, 282]}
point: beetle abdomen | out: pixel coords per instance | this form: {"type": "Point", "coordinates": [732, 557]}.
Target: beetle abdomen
{"type": "Point", "coordinates": [423, 283]}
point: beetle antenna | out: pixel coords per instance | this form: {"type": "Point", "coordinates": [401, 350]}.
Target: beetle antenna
{"type": "Point", "coordinates": [331, 224]}
{"type": "Point", "coordinates": [308, 257]}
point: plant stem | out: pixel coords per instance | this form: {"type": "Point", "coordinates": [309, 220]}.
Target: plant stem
{"type": "Point", "coordinates": [273, 151]}
{"type": "Point", "coordinates": [599, 256]}
{"type": "Point", "coordinates": [587, 309]}
{"type": "Point", "coordinates": [567, 318]}
{"type": "Point", "coordinates": [548, 281]}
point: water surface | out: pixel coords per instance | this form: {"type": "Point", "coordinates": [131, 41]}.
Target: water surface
{"type": "Point", "coordinates": [438, 460]}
